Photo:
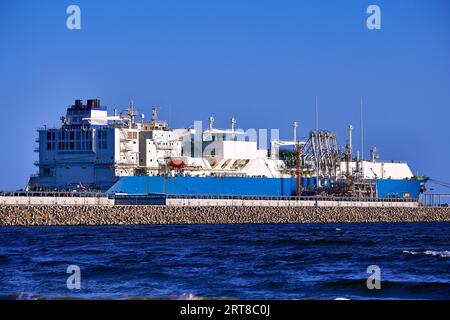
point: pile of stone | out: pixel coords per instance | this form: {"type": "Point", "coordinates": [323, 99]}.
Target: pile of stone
{"type": "Point", "coordinates": [34, 215]}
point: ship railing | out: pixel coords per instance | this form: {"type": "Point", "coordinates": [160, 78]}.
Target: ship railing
{"type": "Point", "coordinates": [45, 128]}
{"type": "Point", "coordinates": [280, 198]}
{"type": "Point", "coordinates": [389, 161]}
{"type": "Point", "coordinates": [209, 197]}
{"type": "Point", "coordinates": [435, 199]}
{"type": "Point", "coordinates": [257, 197]}
{"type": "Point", "coordinates": [52, 194]}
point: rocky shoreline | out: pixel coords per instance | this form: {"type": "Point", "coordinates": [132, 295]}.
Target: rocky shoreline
{"type": "Point", "coordinates": [60, 215]}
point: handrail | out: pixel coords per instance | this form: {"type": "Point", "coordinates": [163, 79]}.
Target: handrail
{"type": "Point", "coordinates": [435, 199]}
{"type": "Point", "coordinates": [51, 194]}
{"type": "Point", "coordinates": [256, 197]}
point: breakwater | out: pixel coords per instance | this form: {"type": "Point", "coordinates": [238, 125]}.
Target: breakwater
{"type": "Point", "coordinates": [47, 215]}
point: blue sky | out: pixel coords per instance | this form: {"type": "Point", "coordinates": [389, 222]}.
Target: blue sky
{"type": "Point", "coordinates": [262, 62]}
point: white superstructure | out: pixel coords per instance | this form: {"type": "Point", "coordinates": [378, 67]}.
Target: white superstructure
{"type": "Point", "coordinates": [92, 150]}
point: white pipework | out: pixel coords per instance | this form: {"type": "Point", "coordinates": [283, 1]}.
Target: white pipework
{"type": "Point", "coordinates": [233, 122]}
{"type": "Point", "coordinates": [350, 140]}
{"type": "Point", "coordinates": [359, 164]}
{"type": "Point", "coordinates": [154, 113]}
{"type": "Point", "coordinates": [211, 121]}
{"type": "Point", "coordinates": [294, 131]}
{"type": "Point", "coordinates": [362, 139]}
{"type": "Point", "coordinates": [374, 154]}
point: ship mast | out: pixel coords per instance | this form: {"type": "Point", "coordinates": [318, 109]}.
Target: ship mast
{"type": "Point", "coordinates": [298, 154]}
{"type": "Point", "coordinates": [131, 113]}
{"type": "Point", "coordinates": [317, 159]}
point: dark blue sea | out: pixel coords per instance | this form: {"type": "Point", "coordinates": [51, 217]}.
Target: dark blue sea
{"type": "Point", "coordinates": [304, 261]}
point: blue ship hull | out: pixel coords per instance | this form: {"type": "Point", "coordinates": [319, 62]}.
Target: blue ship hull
{"type": "Point", "coordinates": [181, 185]}
{"type": "Point", "coordinates": [405, 188]}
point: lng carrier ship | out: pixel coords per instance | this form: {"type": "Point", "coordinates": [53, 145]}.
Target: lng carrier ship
{"type": "Point", "coordinates": [124, 154]}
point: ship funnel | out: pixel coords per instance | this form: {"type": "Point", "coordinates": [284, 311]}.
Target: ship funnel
{"type": "Point", "coordinates": [93, 103]}
{"type": "Point", "coordinates": [78, 103]}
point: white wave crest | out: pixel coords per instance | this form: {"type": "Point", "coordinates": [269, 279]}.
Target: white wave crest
{"type": "Point", "coordinates": [440, 254]}
{"type": "Point", "coordinates": [410, 252]}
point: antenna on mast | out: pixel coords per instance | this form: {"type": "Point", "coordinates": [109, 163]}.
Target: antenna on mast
{"type": "Point", "coordinates": [317, 113]}
{"type": "Point", "coordinates": [233, 122]}
{"type": "Point", "coordinates": [362, 138]}
{"type": "Point", "coordinates": [318, 136]}
{"type": "Point", "coordinates": [350, 141]}
{"type": "Point", "coordinates": [154, 113]}
{"type": "Point", "coordinates": [131, 111]}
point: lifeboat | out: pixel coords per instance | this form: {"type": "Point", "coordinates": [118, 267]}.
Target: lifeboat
{"type": "Point", "coordinates": [176, 163]}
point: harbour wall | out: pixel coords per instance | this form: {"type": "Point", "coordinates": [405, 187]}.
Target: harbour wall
{"type": "Point", "coordinates": [59, 200]}
{"type": "Point", "coordinates": [289, 203]}
{"type": "Point", "coordinates": [60, 215]}
{"type": "Point", "coordinates": [48, 200]}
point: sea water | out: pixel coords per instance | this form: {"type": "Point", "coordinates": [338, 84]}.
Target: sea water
{"type": "Point", "coordinates": [283, 261]}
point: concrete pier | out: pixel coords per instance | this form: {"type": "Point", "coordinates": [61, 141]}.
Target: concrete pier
{"type": "Point", "coordinates": [60, 215]}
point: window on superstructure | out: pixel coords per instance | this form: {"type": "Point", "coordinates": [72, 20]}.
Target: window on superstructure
{"type": "Point", "coordinates": [83, 140]}
{"type": "Point", "coordinates": [50, 140]}
{"type": "Point", "coordinates": [46, 171]}
{"type": "Point", "coordinates": [70, 140]}
{"type": "Point", "coordinates": [132, 135]}
{"type": "Point", "coordinates": [101, 139]}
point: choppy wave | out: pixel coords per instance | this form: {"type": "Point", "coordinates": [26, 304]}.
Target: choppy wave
{"type": "Point", "coordinates": [440, 254]}
{"type": "Point", "coordinates": [32, 296]}
{"type": "Point", "coordinates": [219, 261]}
{"type": "Point", "coordinates": [394, 289]}
{"type": "Point", "coordinates": [183, 296]}
{"type": "Point", "coordinates": [19, 295]}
